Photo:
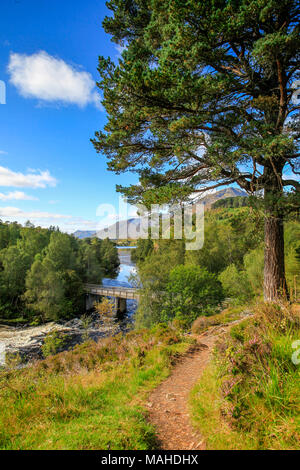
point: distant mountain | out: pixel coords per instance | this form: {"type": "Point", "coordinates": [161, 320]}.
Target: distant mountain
{"type": "Point", "coordinates": [84, 234]}
{"type": "Point", "coordinates": [122, 230]}
{"type": "Point", "coordinates": [210, 199]}
{"type": "Point", "coordinates": [126, 229]}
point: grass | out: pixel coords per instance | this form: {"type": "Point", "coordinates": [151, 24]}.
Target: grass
{"type": "Point", "coordinates": [94, 396]}
{"type": "Point", "coordinates": [91, 397]}
{"type": "Point", "coordinates": [249, 396]}
{"type": "Point", "coordinates": [13, 321]}
{"type": "Point", "coordinates": [228, 315]}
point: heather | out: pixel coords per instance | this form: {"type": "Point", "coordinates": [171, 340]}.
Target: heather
{"type": "Point", "coordinates": [90, 398]}
{"type": "Point", "coordinates": [248, 397]}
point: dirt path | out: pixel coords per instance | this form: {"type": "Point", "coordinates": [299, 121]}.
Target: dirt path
{"type": "Point", "coordinates": [168, 404]}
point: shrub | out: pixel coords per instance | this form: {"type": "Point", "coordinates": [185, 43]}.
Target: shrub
{"type": "Point", "coordinates": [235, 284]}
{"type": "Point", "coordinates": [193, 292]}
{"type": "Point", "coordinates": [254, 268]}
{"type": "Point", "coordinates": [253, 384]}
{"type": "Point", "coordinates": [201, 324]}
{"type": "Point", "coordinates": [54, 343]}
{"type": "Point", "coordinates": [107, 312]}
{"type": "Point", "coordinates": [13, 360]}
{"type": "Point", "coordinates": [86, 324]}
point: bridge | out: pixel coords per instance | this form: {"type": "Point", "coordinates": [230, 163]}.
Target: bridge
{"type": "Point", "coordinates": [120, 294]}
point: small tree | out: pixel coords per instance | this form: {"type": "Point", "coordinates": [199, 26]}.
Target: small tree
{"type": "Point", "coordinates": [44, 290]}
{"type": "Point", "coordinates": [106, 310]}
{"type": "Point", "coordinates": [194, 292]}
{"type": "Point", "coordinates": [203, 97]}
{"type": "Point", "coordinates": [236, 284]}
{"type": "Point", "coordinates": [54, 343]}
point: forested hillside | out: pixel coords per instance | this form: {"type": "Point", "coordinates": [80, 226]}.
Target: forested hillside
{"type": "Point", "coordinates": [42, 271]}
{"type": "Point", "coordinates": [185, 284]}
{"type": "Point", "coordinates": [99, 395]}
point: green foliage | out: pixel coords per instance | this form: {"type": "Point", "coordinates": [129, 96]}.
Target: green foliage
{"type": "Point", "coordinates": [154, 276]}
{"type": "Point", "coordinates": [109, 257]}
{"type": "Point", "coordinates": [254, 268]}
{"type": "Point", "coordinates": [143, 249]}
{"type": "Point", "coordinates": [241, 282]}
{"type": "Point", "coordinates": [86, 324]}
{"type": "Point", "coordinates": [193, 292]}
{"type": "Point", "coordinates": [249, 395]}
{"type": "Point", "coordinates": [202, 97]}
{"type": "Point", "coordinates": [228, 235]}
{"type": "Point", "coordinates": [62, 251]}
{"type": "Point", "coordinates": [15, 264]}
{"type": "Point", "coordinates": [92, 266]}
{"type": "Point", "coordinates": [233, 250]}
{"type": "Point", "coordinates": [42, 271]}
{"type": "Point", "coordinates": [201, 75]}
{"type": "Point", "coordinates": [292, 245]}
{"type": "Point", "coordinates": [44, 293]}
{"type": "Point", "coordinates": [53, 343]}
{"type": "Point", "coordinates": [172, 290]}
{"type": "Point", "coordinates": [89, 398]}
{"type": "Point", "coordinates": [236, 284]}
{"type": "Point", "coordinates": [239, 201]}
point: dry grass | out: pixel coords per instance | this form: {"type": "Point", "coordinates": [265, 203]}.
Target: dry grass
{"type": "Point", "coordinates": [228, 315]}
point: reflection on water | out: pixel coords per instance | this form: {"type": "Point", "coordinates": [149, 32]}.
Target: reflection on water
{"type": "Point", "coordinates": [127, 267]}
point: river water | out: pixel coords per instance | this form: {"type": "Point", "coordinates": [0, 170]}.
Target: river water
{"type": "Point", "coordinates": [127, 268]}
{"type": "Point", "coordinates": [28, 340]}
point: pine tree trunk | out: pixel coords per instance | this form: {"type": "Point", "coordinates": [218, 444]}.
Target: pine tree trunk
{"type": "Point", "coordinates": [275, 285]}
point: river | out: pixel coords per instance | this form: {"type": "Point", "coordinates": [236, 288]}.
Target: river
{"type": "Point", "coordinates": [127, 268]}
{"type": "Point", "coordinates": [27, 341]}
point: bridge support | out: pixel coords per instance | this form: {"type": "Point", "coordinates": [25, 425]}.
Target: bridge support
{"type": "Point", "coordinates": [121, 306]}
{"type": "Point", "coordinates": [90, 300]}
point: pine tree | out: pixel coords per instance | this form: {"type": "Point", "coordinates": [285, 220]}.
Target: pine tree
{"type": "Point", "coordinates": [203, 97]}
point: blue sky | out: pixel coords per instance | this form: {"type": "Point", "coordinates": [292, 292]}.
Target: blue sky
{"type": "Point", "coordinates": [49, 170]}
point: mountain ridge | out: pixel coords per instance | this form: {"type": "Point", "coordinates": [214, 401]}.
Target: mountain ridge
{"type": "Point", "coordinates": [132, 225]}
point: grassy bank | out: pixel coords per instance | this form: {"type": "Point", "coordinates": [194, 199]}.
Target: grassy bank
{"type": "Point", "coordinates": [91, 397]}
{"type": "Point", "coordinates": [249, 396]}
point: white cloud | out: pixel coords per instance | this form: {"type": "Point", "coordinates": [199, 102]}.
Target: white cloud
{"type": "Point", "coordinates": [50, 79]}
{"type": "Point", "coordinates": [39, 179]}
{"type": "Point", "coordinates": [66, 223]}
{"type": "Point", "coordinates": [17, 196]}
{"type": "Point", "coordinates": [2, 152]}
{"type": "Point", "coordinates": [12, 212]}
{"type": "Point", "coordinates": [119, 50]}
{"type": "Point", "coordinates": [291, 176]}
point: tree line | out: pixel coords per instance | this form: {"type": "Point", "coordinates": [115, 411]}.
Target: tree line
{"type": "Point", "coordinates": [42, 271]}
{"type": "Point", "coordinates": [183, 285]}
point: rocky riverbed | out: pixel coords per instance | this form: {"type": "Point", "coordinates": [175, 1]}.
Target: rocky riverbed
{"type": "Point", "coordinates": [27, 341]}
